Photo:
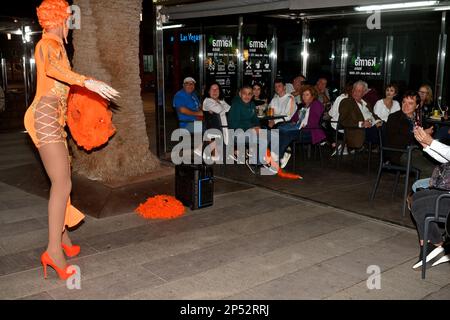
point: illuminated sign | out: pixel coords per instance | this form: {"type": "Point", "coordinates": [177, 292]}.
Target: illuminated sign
{"type": "Point", "coordinates": [369, 66]}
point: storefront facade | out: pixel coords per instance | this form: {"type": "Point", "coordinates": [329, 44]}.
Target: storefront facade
{"type": "Point", "coordinates": [236, 44]}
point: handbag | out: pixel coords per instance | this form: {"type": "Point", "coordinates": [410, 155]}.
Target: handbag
{"type": "Point", "coordinates": [440, 179]}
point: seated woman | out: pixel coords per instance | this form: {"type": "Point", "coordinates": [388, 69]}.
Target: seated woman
{"type": "Point", "coordinates": [283, 104]}
{"type": "Point", "coordinates": [304, 125]}
{"type": "Point", "coordinates": [215, 104]}
{"type": "Point", "coordinates": [384, 107]}
{"type": "Point", "coordinates": [424, 204]}
{"type": "Point", "coordinates": [259, 97]}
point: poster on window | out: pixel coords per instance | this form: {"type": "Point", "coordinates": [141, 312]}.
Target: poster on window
{"type": "Point", "coordinates": [365, 66]}
{"type": "Point", "coordinates": [257, 67]}
{"type": "Point", "coordinates": [221, 63]}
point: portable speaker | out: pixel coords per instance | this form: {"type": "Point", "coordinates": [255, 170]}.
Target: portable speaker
{"type": "Point", "coordinates": [194, 185]}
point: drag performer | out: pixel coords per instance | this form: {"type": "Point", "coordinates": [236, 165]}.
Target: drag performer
{"type": "Point", "coordinates": [45, 120]}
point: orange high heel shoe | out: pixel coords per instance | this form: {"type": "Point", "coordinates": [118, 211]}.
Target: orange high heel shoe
{"type": "Point", "coordinates": [46, 260]}
{"type": "Point", "coordinates": [71, 251]}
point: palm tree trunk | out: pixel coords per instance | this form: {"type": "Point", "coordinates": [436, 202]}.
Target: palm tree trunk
{"type": "Point", "coordinates": [107, 48]}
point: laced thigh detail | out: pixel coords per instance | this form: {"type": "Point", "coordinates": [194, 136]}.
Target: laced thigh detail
{"type": "Point", "coordinates": [46, 121]}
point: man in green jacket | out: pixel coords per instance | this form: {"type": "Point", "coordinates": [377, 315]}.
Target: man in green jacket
{"type": "Point", "coordinates": [243, 111]}
{"type": "Point", "coordinates": [242, 115]}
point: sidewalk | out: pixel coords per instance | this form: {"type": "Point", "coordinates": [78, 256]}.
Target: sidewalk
{"type": "Point", "coordinates": [252, 244]}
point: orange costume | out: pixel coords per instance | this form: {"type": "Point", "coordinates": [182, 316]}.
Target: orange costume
{"type": "Point", "coordinates": [46, 117]}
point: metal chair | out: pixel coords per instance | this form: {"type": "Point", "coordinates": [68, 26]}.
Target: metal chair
{"type": "Point", "coordinates": [437, 219]}
{"type": "Point", "coordinates": [384, 166]}
{"type": "Point", "coordinates": [339, 153]}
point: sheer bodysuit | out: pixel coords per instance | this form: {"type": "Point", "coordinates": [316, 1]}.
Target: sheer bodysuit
{"type": "Point", "coordinates": [46, 117]}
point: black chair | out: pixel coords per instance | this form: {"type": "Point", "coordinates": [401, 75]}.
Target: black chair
{"type": "Point", "coordinates": [339, 153]}
{"type": "Point", "coordinates": [317, 148]}
{"type": "Point", "coordinates": [387, 166]}
{"type": "Point", "coordinates": [437, 219]}
{"type": "Point", "coordinates": [447, 226]}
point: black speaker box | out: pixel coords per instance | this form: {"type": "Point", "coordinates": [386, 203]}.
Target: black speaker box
{"type": "Point", "coordinates": [194, 185]}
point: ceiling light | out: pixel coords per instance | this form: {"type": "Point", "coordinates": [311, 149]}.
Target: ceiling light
{"type": "Point", "coordinates": [442, 8]}
{"type": "Point", "coordinates": [403, 5]}
{"type": "Point", "coordinates": [173, 26]}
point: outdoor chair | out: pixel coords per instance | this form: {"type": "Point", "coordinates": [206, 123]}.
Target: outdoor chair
{"type": "Point", "coordinates": [387, 166]}
{"type": "Point", "coordinates": [435, 217]}
{"type": "Point", "coordinates": [339, 151]}
{"type": "Point", "coordinates": [317, 148]}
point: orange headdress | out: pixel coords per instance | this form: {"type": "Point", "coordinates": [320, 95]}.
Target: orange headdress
{"type": "Point", "coordinates": [52, 13]}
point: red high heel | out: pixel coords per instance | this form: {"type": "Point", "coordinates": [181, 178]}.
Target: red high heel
{"type": "Point", "coordinates": [47, 260]}
{"type": "Point", "coordinates": [71, 251]}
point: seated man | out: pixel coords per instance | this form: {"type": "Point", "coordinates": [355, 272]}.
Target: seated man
{"type": "Point", "coordinates": [358, 122]}
{"type": "Point", "coordinates": [188, 108]}
{"type": "Point", "coordinates": [187, 105]}
{"type": "Point", "coordinates": [400, 134]}
{"type": "Point", "coordinates": [242, 115]}
{"type": "Point", "coordinates": [298, 83]}
{"type": "Point", "coordinates": [283, 103]}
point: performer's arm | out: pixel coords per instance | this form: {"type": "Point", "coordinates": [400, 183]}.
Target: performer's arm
{"type": "Point", "coordinates": [55, 68]}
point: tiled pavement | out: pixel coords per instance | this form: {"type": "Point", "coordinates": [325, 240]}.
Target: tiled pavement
{"type": "Point", "coordinates": [252, 244]}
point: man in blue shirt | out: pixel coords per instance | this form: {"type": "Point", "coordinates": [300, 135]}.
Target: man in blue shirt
{"type": "Point", "coordinates": [187, 105]}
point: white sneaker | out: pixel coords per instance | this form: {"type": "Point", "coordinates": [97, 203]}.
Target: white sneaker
{"type": "Point", "coordinates": [433, 252]}
{"type": "Point", "coordinates": [284, 160]}
{"type": "Point", "coordinates": [443, 259]}
{"type": "Point", "coordinates": [344, 153]}
{"type": "Point", "coordinates": [271, 169]}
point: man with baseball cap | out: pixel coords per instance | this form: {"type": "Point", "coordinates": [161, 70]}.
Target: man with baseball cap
{"type": "Point", "coordinates": [187, 105]}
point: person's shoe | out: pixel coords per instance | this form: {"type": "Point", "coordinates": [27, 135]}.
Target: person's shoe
{"type": "Point", "coordinates": [249, 166]}
{"type": "Point", "coordinates": [339, 148]}
{"type": "Point", "coordinates": [433, 254]}
{"type": "Point", "coordinates": [71, 251]}
{"type": "Point", "coordinates": [345, 152]}
{"type": "Point", "coordinates": [443, 259]}
{"type": "Point", "coordinates": [285, 160]}
{"type": "Point", "coordinates": [270, 168]}
{"type": "Point", "coordinates": [46, 260]}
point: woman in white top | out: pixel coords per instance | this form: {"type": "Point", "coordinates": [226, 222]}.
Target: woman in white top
{"type": "Point", "coordinates": [214, 103]}
{"type": "Point", "coordinates": [384, 107]}
{"type": "Point", "coordinates": [283, 103]}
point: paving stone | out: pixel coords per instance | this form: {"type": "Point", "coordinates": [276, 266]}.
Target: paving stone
{"type": "Point", "coordinates": [9, 229]}
{"type": "Point", "coordinates": [20, 214]}
{"type": "Point", "coordinates": [30, 259]}
{"type": "Point", "coordinates": [314, 282]}
{"type": "Point", "coordinates": [38, 296]}
{"type": "Point", "coordinates": [442, 294]}
{"type": "Point", "coordinates": [115, 285]}
{"type": "Point", "coordinates": [25, 241]}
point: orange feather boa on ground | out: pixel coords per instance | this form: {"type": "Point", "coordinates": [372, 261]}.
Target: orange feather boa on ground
{"type": "Point", "coordinates": [88, 118]}
{"type": "Point", "coordinates": [280, 172]}
{"type": "Point", "coordinates": [161, 207]}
